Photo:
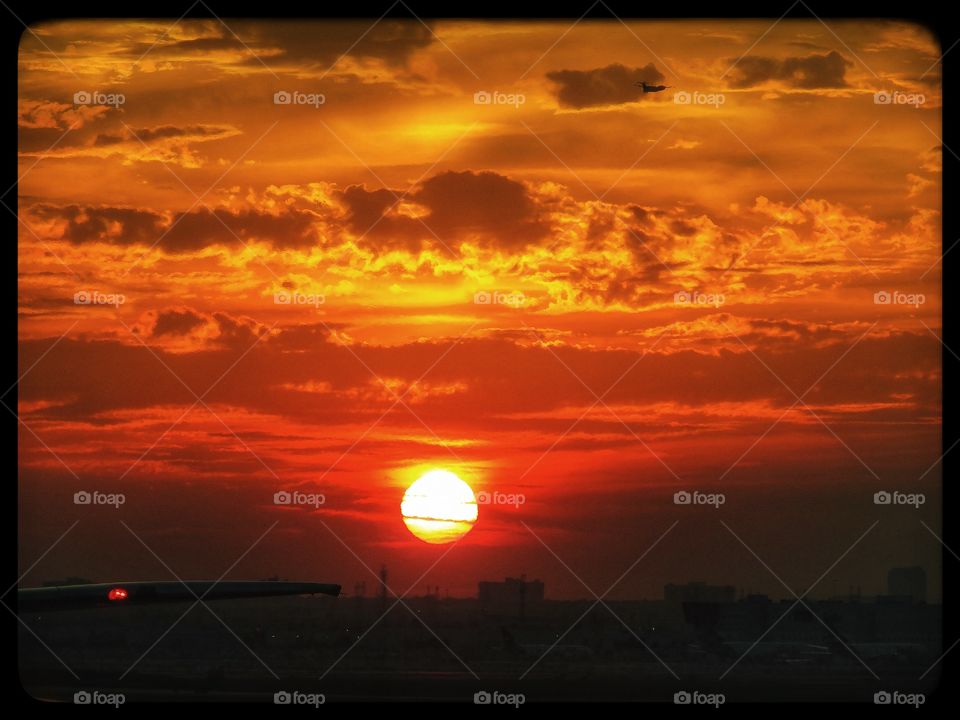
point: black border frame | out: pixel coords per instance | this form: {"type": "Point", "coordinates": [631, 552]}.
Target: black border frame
{"type": "Point", "coordinates": [934, 15]}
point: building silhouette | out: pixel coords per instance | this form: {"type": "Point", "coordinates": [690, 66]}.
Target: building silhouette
{"type": "Point", "coordinates": [514, 597]}
{"type": "Point", "coordinates": [699, 592]}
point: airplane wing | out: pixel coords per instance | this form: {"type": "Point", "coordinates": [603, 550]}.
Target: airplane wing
{"type": "Point", "coordinates": [78, 597]}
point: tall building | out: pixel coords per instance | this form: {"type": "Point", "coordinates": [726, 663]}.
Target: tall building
{"type": "Point", "coordinates": [514, 597]}
{"type": "Point", "coordinates": [908, 582]}
{"type": "Point", "coordinates": [699, 592]}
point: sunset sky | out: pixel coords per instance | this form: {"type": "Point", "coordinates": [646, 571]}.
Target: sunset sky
{"type": "Point", "coordinates": [769, 185]}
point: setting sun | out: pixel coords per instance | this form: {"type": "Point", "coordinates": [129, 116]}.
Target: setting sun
{"type": "Point", "coordinates": [439, 507]}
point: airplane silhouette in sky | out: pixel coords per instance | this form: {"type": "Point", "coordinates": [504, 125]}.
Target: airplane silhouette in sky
{"type": "Point", "coordinates": [651, 88]}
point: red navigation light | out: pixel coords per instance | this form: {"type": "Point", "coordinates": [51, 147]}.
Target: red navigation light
{"type": "Point", "coordinates": [117, 593]}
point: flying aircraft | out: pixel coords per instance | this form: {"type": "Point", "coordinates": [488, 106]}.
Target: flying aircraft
{"type": "Point", "coordinates": [651, 88]}
{"type": "Point", "coordinates": [79, 597]}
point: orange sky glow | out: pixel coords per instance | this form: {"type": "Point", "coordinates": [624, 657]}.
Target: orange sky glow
{"type": "Point", "coordinates": [485, 251]}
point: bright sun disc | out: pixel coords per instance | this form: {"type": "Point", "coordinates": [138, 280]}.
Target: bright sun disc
{"type": "Point", "coordinates": [439, 507]}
